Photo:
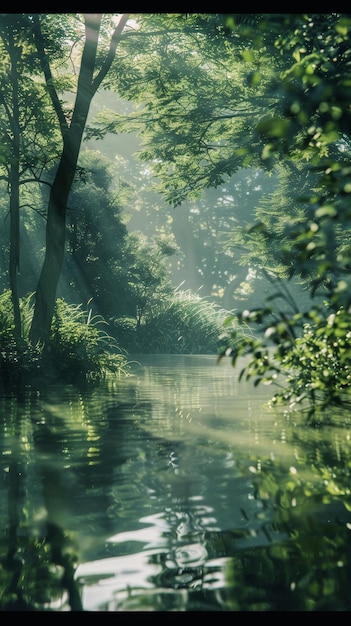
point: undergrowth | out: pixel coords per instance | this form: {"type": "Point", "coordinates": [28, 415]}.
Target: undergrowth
{"type": "Point", "coordinates": [80, 348]}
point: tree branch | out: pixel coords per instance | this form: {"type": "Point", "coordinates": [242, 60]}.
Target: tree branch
{"type": "Point", "coordinates": [48, 75]}
{"type": "Point", "coordinates": [112, 51]}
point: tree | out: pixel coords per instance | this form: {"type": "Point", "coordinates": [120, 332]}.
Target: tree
{"type": "Point", "coordinates": [72, 133]}
{"type": "Point", "coordinates": [269, 90]}
{"type": "Point", "coordinates": [214, 93]}
{"type": "Point", "coordinates": [27, 143]}
{"type": "Point", "coordinates": [94, 67]}
{"type": "Point", "coordinates": [197, 102]}
{"type": "Point", "coordinates": [311, 347]}
{"type": "Point", "coordinates": [96, 262]}
{"type": "Point", "coordinates": [199, 96]}
{"type": "Point", "coordinates": [148, 279]}
{"type": "Point", "coordinates": [49, 40]}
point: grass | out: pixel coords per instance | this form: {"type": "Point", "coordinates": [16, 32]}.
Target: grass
{"type": "Point", "coordinates": [80, 348]}
{"type": "Point", "coordinates": [182, 324]}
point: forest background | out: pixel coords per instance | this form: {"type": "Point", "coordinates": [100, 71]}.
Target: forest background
{"type": "Point", "coordinates": [216, 217]}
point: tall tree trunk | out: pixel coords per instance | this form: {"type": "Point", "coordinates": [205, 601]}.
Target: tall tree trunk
{"type": "Point", "coordinates": [14, 248]}
{"type": "Point", "coordinates": [45, 296]}
{"type": "Point", "coordinates": [72, 138]}
{"type": "Point", "coordinates": [14, 179]}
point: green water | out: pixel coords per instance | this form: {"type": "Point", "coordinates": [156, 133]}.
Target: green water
{"type": "Point", "coordinates": [175, 489]}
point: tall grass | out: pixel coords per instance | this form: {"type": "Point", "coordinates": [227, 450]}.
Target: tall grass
{"type": "Point", "coordinates": [80, 347]}
{"type": "Point", "coordinates": [81, 344]}
{"type": "Point", "coordinates": [182, 324]}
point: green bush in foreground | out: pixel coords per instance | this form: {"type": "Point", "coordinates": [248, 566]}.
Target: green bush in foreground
{"type": "Point", "coordinates": [80, 349]}
{"type": "Point", "coordinates": [306, 355]}
{"type": "Point", "coordinates": [81, 346]}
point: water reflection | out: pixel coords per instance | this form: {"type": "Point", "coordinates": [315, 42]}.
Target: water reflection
{"type": "Point", "coordinates": [33, 557]}
{"type": "Point", "coordinates": [173, 490]}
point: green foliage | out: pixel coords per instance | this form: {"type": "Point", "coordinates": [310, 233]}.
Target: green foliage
{"type": "Point", "coordinates": [15, 357]}
{"type": "Point", "coordinates": [305, 355]}
{"type": "Point", "coordinates": [25, 94]}
{"type": "Point", "coordinates": [306, 230]}
{"type": "Point", "coordinates": [80, 348]}
{"type": "Point", "coordinates": [318, 363]}
{"type": "Point", "coordinates": [279, 215]}
{"type": "Point", "coordinates": [124, 329]}
{"type": "Point", "coordinates": [213, 94]}
{"type": "Point", "coordinates": [148, 280]}
{"type": "Point", "coordinates": [278, 98]}
{"type": "Point", "coordinates": [96, 256]}
{"type": "Point", "coordinates": [183, 323]}
{"type": "Point", "coordinates": [192, 107]}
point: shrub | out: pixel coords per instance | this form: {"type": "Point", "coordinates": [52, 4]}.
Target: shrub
{"type": "Point", "coordinates": [79, 346]}
{"type": "Point", "coordinates": [311, 368]}
{"type": "Point", "coordinates": [79, 349]}
{"type": "Point", "coordinates": [182, 324]}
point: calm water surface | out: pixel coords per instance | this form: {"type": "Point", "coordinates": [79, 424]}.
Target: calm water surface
{"type": "Point", "coordinates": [173, 490]}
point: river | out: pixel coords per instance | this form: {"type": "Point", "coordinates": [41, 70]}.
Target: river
{"type": "Point", "coordinates": [174, 489]}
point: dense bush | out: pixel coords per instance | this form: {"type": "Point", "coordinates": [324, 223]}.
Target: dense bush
{"type": "Point", "coordinates": [80, 348]}
{"type": "Point", "coordinates": [305, 355]}
{"type": "Point", "coordinates": [184, 323]}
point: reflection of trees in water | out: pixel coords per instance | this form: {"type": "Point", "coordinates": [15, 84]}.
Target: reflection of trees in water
{"type": "Point", "coordinates": [37, 558]}
{"type": "Point", "coordinates": [85, 464]}
{"type": "Point", "coordinates": [54, 454]}
{"type": "Point", "coordinates": [289, 552]}
{"type": "Point", "coordinates": [175, 539]}
{"type": "Point", "coordinates": [190, 554]}
{"type": "Point", "coordinates": [309, 568]}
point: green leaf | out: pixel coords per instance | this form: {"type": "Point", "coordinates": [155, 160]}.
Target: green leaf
{"type": "Point", "coordinates": [327, 210]}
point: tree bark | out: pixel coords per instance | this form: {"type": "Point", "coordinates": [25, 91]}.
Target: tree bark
{"type": "Point", "coordinates": [72, 137]}
{"type": "Point", "coordinates": [14, 179]}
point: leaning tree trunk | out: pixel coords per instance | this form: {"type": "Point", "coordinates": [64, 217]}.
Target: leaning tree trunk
{"type": "Point", "coordinates": [72, 137]}
{"type": "Point", "coordinates": [45, 296]}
